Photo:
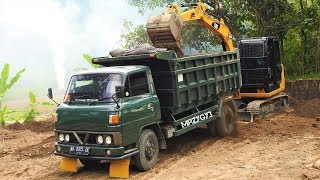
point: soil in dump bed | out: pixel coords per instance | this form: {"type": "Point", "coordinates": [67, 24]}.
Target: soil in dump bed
{"type": "Point", "coordinates": [35, 126]}
{"type": "Point", "coordinates": [306, 108]}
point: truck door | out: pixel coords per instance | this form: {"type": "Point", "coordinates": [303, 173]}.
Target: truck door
{"type": "Point", "coordinates": [140, 107]}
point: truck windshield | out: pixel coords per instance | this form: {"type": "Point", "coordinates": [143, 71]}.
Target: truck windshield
{"type": "Point", "coordinates": [93, 87]}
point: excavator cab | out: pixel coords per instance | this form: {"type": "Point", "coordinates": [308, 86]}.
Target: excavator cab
{"type": "Point", "coordinates": [260, 65]}
{"type": "Point", "coordinates": [263, 80]}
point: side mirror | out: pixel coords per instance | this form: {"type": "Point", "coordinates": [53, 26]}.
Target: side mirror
{"type": "Point", "coordinates": [119, 91]}
{"type": "Point", "coordinates": [50, 93]}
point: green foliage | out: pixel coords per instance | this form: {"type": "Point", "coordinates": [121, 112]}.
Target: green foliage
{"type": "Point", "coordinates": [88, 58]}
{"type": "Point", "coordinates": [32, 112]}
{"type": "Point", "coordinates": [132, 36]}
{"type": "Point", "coordinates": [199, 38]}
{"type": "Point", "coordinates": [47, 104]}
{"type": "Point", "coordinates": [32, 98]}
{"type": "Point", "coordinates": [296, 23]}
{"type": "Point", "coordinates": [3, 113]}
{"type": "Point", "coordinates": [5, 86]}
{"type": "Point", "coordinates": [145, 5]}
{"type": "Point", "coordinates": [194, 36]}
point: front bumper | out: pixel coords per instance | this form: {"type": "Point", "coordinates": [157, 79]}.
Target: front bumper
{"type": "Point", "coordinates": [96, 152]}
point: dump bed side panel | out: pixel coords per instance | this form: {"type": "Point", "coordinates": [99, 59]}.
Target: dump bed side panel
{"type": "Point", "coordinates": [203, 79]}
{"type": "Point", "coordinates": [185, 83]}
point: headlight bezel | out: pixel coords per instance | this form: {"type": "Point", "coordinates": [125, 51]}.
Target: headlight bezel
{"type": "Point", "coordinates": [61, 137]}
{"type": "Point", "coordinates": [99, 137]}
{"type": "Point", "coordinates": [108, 140]}
{"type": "Point", "coordinates": [67, 138]}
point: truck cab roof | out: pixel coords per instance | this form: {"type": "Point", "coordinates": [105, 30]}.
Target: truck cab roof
{"type": "Point", "coordinates": [114, 69]}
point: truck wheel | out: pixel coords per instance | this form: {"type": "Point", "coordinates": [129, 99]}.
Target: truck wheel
{"type": "Point", "coordinates": [89, 163]}
{"type": "Point", "coordinates": [226, 124]}
{"type": "Point", "coordinates": [212, 128]}
{"type": "Point", "coordinates": [148, 150]}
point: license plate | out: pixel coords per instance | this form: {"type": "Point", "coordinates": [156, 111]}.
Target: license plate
{"type": "Point", "coordinates": [79, 150]}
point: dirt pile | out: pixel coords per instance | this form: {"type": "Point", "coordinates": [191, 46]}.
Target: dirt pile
{"type": "Point", "coordinates": [278, 147]}
{"type": "Point", "coordinates": [34, 126]}
{"type": "Point", "coordinates": [282, 146]}
{"type": "Point", "coordinates": [307, 108]}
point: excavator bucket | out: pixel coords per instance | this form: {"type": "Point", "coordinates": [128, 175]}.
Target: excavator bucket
{"type": "Point", "coordinates": [68, 164]}
{"type": "Point", "coordinates": [119, 168]}
{"type": "Point", "coordinates": [165, 32]}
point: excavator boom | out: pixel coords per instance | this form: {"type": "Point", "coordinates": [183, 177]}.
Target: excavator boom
{"type": "Point", "coordinates": [165, 30]}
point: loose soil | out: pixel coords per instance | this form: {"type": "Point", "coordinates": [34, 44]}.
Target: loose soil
{"type": "Point", "coordinates": [283, 146]}
{"type": "Point", "coordinates": [307, 109]}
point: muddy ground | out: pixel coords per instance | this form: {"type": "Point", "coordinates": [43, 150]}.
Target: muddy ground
{"type": "Point", "coordinates": [283, 146]}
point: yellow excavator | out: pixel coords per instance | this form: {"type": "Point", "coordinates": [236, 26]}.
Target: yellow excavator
{"type": "Point", "coordinates": [263, 80]}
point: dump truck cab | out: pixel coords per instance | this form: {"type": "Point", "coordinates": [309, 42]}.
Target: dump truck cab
{"type": "Point", "coordinates": [104, 111]}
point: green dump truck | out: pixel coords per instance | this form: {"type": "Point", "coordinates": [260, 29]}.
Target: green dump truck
{"type": "Point", "coordinates": [131, 105]}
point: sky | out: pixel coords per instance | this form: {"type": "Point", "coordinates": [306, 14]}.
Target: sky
{"type": "Point", "coordinates": [48, 37]}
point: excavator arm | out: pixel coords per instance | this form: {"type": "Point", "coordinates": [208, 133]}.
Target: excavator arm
{"type": "Point", "coordinates": [165, 30]}
{"type": "Point", "coordinates": [198, 13]}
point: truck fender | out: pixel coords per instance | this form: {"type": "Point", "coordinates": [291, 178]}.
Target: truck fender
{"type": "Point", "coordinates": [156, 128]}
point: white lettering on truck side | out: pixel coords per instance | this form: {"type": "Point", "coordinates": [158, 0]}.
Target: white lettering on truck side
{"type": "Point", "coordinates": [196, 119]}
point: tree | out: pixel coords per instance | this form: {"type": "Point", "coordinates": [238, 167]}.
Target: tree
{"type": "Point", "coordinates": [4, 87]}
{"type": "Point", "coordinates": [295, 22]}
{"type": "Point", "coordinates": [145, 5]}
{"type": "Point", "coordinates": [306, 32]}
{"type": "Point", "coordinates": [132, 36]}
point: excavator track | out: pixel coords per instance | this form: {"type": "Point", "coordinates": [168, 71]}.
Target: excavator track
{"type": "Point", "coordinates": [262, 108]}
{"type": "Point", "coordinates": [165, 32]}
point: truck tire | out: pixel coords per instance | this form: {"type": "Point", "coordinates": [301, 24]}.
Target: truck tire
{"type": "Point", "coordinates": [226, 124]}
{"type": "Point", "coordinates": [212, 128]}
{"type": "Point", "coordinates": [90, 163]}
{"type": "Point", "coordinates": [148, 146]}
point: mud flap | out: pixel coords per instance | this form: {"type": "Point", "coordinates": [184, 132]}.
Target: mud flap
{"type": "Point", "coordinates": [68, 164]}
{"type": "Point", "coordinates": [119, 168]}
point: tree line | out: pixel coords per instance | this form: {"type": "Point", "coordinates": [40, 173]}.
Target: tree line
{"type": "Point", "coordinates": [295, 22]}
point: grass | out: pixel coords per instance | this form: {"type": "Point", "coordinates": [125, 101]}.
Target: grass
{"type": "Point", "coordinates": [305, 77]}
{"type": "Point", "coordinates": [15, 115]}
{"type": "Point", "coordinates": [18, 114]}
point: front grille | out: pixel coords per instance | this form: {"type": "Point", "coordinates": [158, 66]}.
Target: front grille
{"type": "Point", "coordinates": [91, 139]}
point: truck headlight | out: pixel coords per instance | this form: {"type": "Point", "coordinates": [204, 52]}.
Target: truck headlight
{"type": "Point", "coordinates": [61, 137]}
{"type": "Point", "coordinates": [108, 140]}
{"type": "Point", "coordinates": [67, 137]}
{"type": "Point", "coordinates": [99, 139]}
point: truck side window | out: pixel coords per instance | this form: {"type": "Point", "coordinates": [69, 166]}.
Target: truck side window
{"type": "Point", "coordinates": [138, 84]}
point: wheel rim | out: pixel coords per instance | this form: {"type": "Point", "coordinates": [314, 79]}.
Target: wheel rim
{"type": "Point", "coordinates": [150, 150]}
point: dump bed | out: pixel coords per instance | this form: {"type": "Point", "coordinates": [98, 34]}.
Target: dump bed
{"type": "Point", "coordinates": [185, 83]}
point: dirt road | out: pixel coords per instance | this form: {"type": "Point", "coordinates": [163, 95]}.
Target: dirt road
{"type": "Point", "coordinates": [283, 146]}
